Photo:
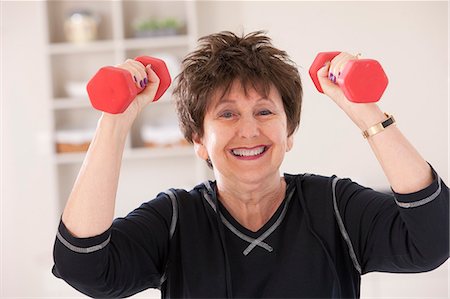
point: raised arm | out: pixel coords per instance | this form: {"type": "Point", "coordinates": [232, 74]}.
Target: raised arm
{"type": "Point", "coordinates": [405, 233]}
{"type": "Point", "coordinates": [405, 169]}
{"type": "Point", "coordinates": [90, 208]}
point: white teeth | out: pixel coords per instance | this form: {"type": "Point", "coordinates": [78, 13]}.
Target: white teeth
{"type": "Point", "coordinates": [248, 152]}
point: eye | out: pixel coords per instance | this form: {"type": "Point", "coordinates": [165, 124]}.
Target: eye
{"type": "Point", "coordinates": [226, 114]}
{"type": "Point", "coordinates": [265, 112]}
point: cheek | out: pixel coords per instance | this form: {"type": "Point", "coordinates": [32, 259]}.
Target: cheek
{"type": "Point", "coordinates": [213, 140]}
{"type": "Point", "coordinates": [279, 131]}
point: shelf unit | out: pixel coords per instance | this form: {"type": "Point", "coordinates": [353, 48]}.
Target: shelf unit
{"type": "Point", "coordinates": [76, 63]}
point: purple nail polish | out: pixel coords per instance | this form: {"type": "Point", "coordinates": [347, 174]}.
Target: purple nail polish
{"type": "Point", "coordinates": [332, 78]}
{"type": "Point", "coordinates": [142, 84]}
{"type": "Point", "coordinates": [135, 80]}
{"type": "Point", "coordinates": [145, 81]}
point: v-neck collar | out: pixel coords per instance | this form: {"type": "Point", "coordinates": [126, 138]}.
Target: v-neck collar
{"type": "Point", "coordinates": [253, 238]}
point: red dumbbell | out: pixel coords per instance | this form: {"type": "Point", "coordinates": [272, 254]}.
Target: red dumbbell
{"type": "Point", "coordinates": [112, 89]}
{"type": "Point", "coordinates": [361, 80]}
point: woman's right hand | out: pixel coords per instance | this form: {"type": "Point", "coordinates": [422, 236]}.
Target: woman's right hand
{"type": "Point", "coordinates": [144, 77]}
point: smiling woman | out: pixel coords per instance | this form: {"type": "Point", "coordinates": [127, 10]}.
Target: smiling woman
{"type": "Point", "coordinates": [245, 138]}
{"type": "Point", "coordinates": [252, 232]}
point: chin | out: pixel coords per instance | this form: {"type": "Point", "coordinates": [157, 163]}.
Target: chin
{"type": "Point", "coordinates": [255, 176]}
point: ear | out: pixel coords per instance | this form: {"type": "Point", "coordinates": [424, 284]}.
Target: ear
{"type": "Point", "coordinates": [289, 142]}
{"type": "Point", "coordinates": [199, 147]}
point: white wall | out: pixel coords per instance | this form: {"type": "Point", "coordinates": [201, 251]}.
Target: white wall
{"type": "Point", "coordinates": [410, 39]}
{"type": "Point", "coordinates": [28, 221]}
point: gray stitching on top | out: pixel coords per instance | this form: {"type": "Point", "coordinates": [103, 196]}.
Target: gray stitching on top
{"type": "Point", "coordinates": [274, 226]}
{"type": "Point", "coordinates": [208, 199]}
{"type": "Point", "coordinates": [208, 186]}
{"type": "Point", "coordinates": [243, 236]}
{"type": "Point", "coordinates": [173, 223]}
{"type": "Point", "coordinates": [82, 249]}
{"type": "Point", "coordinates": [253, 242]}
{"type": "Point", "coordinates": [343, 230]}
{"type": "Point", "coordinates": [231, 227]}
{"type": "Point", "coordinates": [421, 202]}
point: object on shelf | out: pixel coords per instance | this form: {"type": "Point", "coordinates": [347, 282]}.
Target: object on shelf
{"type": "Point", "coordinates": [152, 27]}
{"type": "Point", "coordinates": [162, 136]}
{"type": "Point", "coordinates": [76, 89]}
{"type": "Point", "coordinates": [73, 140]}
{"type": "Point", "coordinates": [81, 26]}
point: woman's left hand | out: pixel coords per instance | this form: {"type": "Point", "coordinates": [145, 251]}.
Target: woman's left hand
{"type": "Point", "coordinates": [363, 115]}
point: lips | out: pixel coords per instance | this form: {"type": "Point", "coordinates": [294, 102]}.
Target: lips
{"type": "Point", "coordinates": [249, 152]}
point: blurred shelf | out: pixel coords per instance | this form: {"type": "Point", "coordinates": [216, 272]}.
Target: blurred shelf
{"type": "Point", "coordinates": [156, 42]}
{"type": "Point", "coordinates": [71, 65]}
{"type": "Point", "coordinates": [127, 44]}
{"type": "Point", "coordinates": [73, 48]}
{"type": "Point", "coordinates": [134, 153]}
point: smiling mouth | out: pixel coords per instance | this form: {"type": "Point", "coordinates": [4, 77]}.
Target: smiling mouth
{"type": "Point", "coordinates": [252, 152]}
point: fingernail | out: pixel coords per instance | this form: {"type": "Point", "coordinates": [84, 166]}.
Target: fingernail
{"type": "Point", "coordinates": [142, 83]}
{"type": "Point", "coordinates": [135, 80]}
{"type": "Point", "coordinates": [145, 81]}
{"type": "Point", "coordinates": [332, 78]}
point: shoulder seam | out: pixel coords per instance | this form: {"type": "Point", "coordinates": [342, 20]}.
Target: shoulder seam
{"type": "Point", "coordinates": [173, 223]}
{"type": "Point", "coordinates": [341, 225]}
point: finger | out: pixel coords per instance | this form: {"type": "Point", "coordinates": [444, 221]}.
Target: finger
{"type": "Point", "coordinates": [337, 65]}
{"type": "Point", "coordinates": [142, 79]}
{"type": "Point", "coordinates": [329, 88]}
{"type": "Point", "coordinates": [129, 66]}
{"type": "Point", "coordinates": [322, 75]}
{"type": "Point", "coordinates": [323, 71]}
{"type": "Point", "coordinates": [153, 83]}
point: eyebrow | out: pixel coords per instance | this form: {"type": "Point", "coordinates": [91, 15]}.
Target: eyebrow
{"type": "Point", "coordinates": [224, 101]}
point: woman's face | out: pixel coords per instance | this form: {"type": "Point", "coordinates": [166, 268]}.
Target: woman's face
{"type": "Point", "coordinates": [245, 135]}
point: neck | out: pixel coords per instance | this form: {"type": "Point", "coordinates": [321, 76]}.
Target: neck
{"type": "Point", "coordinates": [252, 204]}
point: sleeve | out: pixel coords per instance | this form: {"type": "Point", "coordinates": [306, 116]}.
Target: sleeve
{"type": "Point", "coordinates": [126, 259]}
{"type": "Point", "coordinates": [395, 232]}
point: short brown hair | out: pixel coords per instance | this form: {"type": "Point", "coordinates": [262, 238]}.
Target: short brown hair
{"type": "Point", "coordinates": [224, 57]}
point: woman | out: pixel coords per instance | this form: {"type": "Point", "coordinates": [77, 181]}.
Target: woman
{"type": "Point", "coordinates": [251, 233]}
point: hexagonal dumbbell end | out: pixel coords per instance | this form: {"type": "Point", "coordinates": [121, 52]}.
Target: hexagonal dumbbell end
{"type": "Point", "coordinates": [112, 89]}
{"type": "Point", "coordinates": [363, 81]}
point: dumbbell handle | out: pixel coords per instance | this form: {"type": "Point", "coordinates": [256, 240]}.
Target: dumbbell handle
{"type": "Point", "coordinates": [361, 80]}
{"type": "Point", "coordinates": [112, 89]}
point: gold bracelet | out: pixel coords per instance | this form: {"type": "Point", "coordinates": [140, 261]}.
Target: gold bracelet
{"type": "Point", "coordinates": [379, 127]}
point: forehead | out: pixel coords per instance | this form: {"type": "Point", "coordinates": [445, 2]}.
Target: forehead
{"type": "Point", "coordinates": [237, 91]}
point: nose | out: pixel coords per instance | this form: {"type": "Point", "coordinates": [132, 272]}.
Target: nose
{"type": "Point", "coordinates": [248, 127]}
